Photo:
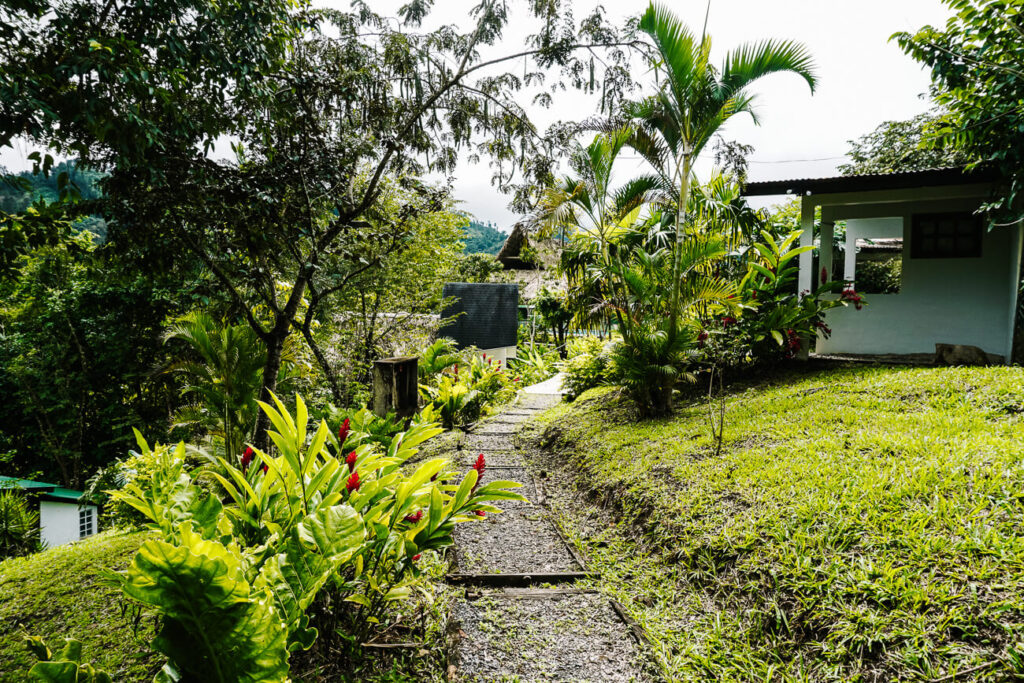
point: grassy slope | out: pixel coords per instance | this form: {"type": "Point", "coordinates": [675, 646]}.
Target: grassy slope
{"type": "Point", "coordinates": [58, 593]}
{"type": "Point", "coordinates": [861, 524]}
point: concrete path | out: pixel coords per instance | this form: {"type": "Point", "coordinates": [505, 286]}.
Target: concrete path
{"type": "Point", "coordinates": [522, 616]}
{"type": "Point", "coordinates": [549, 387]}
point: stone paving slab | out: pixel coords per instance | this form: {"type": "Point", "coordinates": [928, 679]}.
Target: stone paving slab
{"type": "Point", "coordinates": [518, 541]}
{"type": "Point", "coordinates": [487, 442]}
{"type": "Point", "coordinates": [510, 418]}
{"type": "Point", "coordinates": [494, 427]}
{"type": "Point", "coordinates": [517, 474]}
{"type": "Point", "coordinates": [509, 458]}
{"type": "Point", "coordinates": [538, 401]}
{"type": "Point", "coordinates": [530, 636]}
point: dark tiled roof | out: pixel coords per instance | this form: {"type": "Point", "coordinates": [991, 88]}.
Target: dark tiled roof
{"type": "Point", "coordinates": [488, 314]}
{"type": "Point", "coordinates": [865, 183]}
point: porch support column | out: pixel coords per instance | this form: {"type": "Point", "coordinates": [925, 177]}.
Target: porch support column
{"type": "Point", "coordinates": [805, 280]}
{"type": "Point", "coordinates": [1017, 240]}
{"type": "Point", "coordinates": [827, 251]}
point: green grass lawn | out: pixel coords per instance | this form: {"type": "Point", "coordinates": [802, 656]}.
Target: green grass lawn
{"type": "Point", "coordinates": [861, 524]}
{"type": "Point", "coordinates": [58, 593]}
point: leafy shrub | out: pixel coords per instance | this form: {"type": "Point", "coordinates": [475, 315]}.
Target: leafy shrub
{"type": "Point", "coordinates": [232, 580]}
{"type": "Point", "coordinates": [438, 357]}
{"type": "Point", "coordinates": [774, 318]}
{"type": "Point", "coordinates": [486, 377]}
{"type": "Point", "coordinates": [19, 525]}
{"type": "Point", "coordinates": [454, 401]}
{"type": "Point", "coordinates": [556, 315]}
{"type": "Point", "coordinates": [589, 366]}
{"type": "Point", "coordinates": [880, 277]}
{"type": "Point", "coordinates": [66, 666]}
{"type": "Point", "coordinates": [533, 364]}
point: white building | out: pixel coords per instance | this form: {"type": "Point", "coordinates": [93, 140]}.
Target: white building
{"type": "Point", "coordinates": [61, 518]}
{"type": "Point", "coordinates": [959, 281]}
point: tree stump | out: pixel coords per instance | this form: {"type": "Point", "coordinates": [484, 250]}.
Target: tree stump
{"type": "Point", "coordinates": [395, 386]}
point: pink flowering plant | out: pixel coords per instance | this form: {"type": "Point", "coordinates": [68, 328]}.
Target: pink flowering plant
{"type": "Point", "coordinates": [775, 319]}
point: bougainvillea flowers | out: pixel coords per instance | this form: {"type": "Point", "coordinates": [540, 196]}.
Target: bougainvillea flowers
{"type": "Point", "coordinates": [353, 482]}
{"type": "Point", "coordinates": [350, 460]}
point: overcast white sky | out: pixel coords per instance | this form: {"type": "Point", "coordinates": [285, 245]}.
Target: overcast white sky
{"type": "Point", "coordinates": [863, 80]}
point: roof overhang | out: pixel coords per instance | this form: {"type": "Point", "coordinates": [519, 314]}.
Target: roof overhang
{"type": "Point", "coordinates": [942, 177]}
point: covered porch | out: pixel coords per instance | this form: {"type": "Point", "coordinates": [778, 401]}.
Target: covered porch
{"type": "Point", "coordinates": [939, 275]}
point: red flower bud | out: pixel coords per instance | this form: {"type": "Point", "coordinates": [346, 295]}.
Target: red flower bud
{"type": "Point", "coordinates": [824, 275]}
{"type": "Point", "coordinates": [413, 518]}
{"type": "Point", "coordinates": [247, 458]}
{"type": "Point", "coordinates": [350, 460]}
{"type": "Point", "coordinates": [481, 513]}
{"type": "Point", "coordinates": [265, 468]}
{"type": "Point", "coordinates": [479, 465]}
{"type": "Point", "coordinates": [416, 557]}
{"type": "Point", "coordinates": [343, 431]}
{"type": "Point", "coordinates": [353, 482]}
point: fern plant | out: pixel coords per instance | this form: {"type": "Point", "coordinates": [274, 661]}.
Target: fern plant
{"type": "Point", "coordinates": [19, 525]}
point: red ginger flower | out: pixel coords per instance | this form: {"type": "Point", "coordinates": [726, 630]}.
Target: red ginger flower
{"type": "Point", "coordinates": [353, 482]}
{"type": "Point", "coordinates": [824, 275]}
{"type": "Point", "coordinates": [343, 431]}
{"type": "Point", "coordinates": [265, 468]}
{"type": "Point", "coordinates": [479, 465]}
{"type": "Point", "coordinates": [416, 557]}
{"type": "Point", "coordinates": [350, 460]}
{"type": "Point", "coordinates": [481, 513]}
{"type": "Point", "coordinates": [728, 320]}
{"type": "Point", "coordinates": [413, 518]}
{"type": "Point", "coordinates": [247, 458]}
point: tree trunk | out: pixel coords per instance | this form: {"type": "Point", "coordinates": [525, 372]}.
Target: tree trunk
{"type": "Point", "coordinates": [325, 366]}
{"type": "Point", "coordinates": [275, 347]}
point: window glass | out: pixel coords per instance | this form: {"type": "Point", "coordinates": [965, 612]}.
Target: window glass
{"type": "Point", "coordinates": [86, 522]}
{"type": "Point", "coordinates": [946, 235]}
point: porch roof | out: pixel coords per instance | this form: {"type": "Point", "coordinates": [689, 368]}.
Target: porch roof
{"type": "Point", "coordinates": [937, 177]}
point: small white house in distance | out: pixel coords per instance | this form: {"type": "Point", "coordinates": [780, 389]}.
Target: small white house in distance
{"type": "Point", "coordinates": [61, 518]}
{"type": "Point", "coordinates": [926, 263]}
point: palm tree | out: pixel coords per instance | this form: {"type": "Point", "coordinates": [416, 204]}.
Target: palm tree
{"type": "Point", "coordinates": [693, 102]}
{"type": "Point", "coordinates": [618, 265]}
{"type": "Point", "coordinates": [222, 378]}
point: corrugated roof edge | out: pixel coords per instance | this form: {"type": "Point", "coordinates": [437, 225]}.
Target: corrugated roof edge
{"type": "Point", "coordinates": [50, 491]}
{"type": "Point", "coordinates": [936, 177]}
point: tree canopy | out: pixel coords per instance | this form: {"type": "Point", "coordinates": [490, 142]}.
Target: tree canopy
{"type": "Point", "coordinates": [977, 68]}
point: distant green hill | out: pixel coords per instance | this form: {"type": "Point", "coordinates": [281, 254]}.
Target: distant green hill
{"type": "Point", "coordinates": [14, 199]}
{"type": "Point", "coordinates": [483, 238]}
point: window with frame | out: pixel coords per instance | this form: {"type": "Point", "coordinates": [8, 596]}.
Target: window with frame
{"type": "Point", "coordinates": [946, 235]}
{"type": "Point", "coordinates": [86, 522]}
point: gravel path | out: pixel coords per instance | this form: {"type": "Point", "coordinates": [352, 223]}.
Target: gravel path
{"type": "Point", "coordinates": [528, 634]}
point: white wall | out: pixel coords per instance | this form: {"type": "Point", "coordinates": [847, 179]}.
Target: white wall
{"type": "Point", "coordinates": [58, 522]}
{"type": "Point", "coordinates": [500, 354]}
{"type": "Point", "coordinates": [954, 301]}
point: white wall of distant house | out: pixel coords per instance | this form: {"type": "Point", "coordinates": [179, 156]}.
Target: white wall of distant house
{"type": "Point", "coordinates": [59, 522]}
{"type": "Point", "coordinates": [941, 300]}
{"type": "Point", "coordinates": [501, 354]}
